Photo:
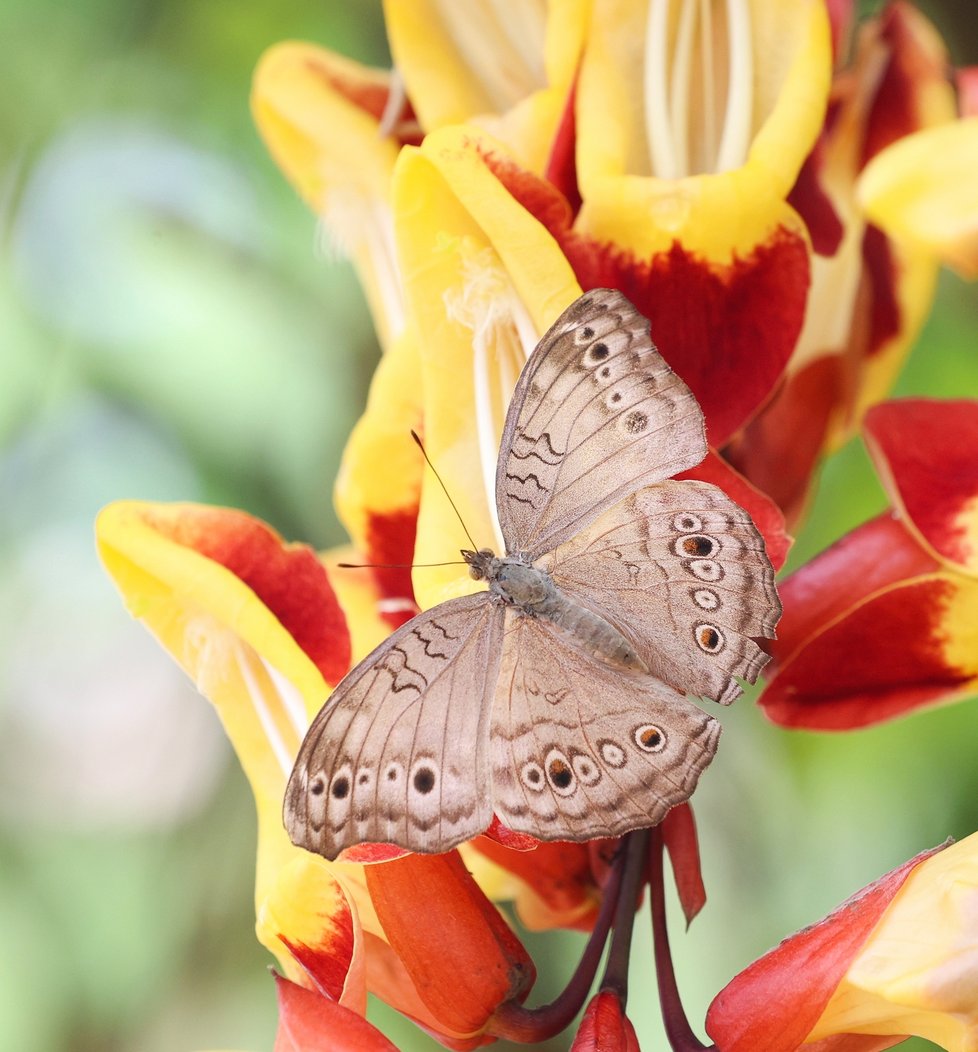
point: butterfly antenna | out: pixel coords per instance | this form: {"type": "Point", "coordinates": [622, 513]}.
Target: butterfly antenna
{"type": "Point", "coordinates": [420, 444]}
{"type": "Point", "coordinates": [396, 566]}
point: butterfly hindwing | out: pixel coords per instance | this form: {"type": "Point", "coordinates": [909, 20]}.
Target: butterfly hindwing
{"type": "Point", "coordinates": [399, 753]}
{"type": "Point", "coordinates": [682, 572]}
{"type": "Point", "coordinates": [596, 414]}
{"type": "Point", "coordinates": [580, 749]}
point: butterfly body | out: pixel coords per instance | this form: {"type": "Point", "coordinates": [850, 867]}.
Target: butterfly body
{"type": "Point", "coordinates": [556, 697]}
{"type": "Point", "coordinates": [531, 590]}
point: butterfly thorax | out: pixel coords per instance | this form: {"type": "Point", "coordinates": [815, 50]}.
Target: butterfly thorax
{"type": "Point", "coordinates": [533, 592]}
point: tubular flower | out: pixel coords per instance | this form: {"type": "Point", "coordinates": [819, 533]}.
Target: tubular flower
{"type": "Point", "coordinates": [264, 633]}
{"type": "Point", "coordinates": [884, 621]}
{"type": "Point", "coordinates": [898, 958]}
{"type": "Point", "coordinates": [864, 197]}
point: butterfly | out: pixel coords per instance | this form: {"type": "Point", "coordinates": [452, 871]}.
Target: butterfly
{"type": "Point", "coordinates": [555, 698]}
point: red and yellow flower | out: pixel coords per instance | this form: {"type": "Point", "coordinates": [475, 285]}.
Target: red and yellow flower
{"type": "Point", "coordinates": [898, 958]}
{"type": "Point", "coordinates": [886, 620]}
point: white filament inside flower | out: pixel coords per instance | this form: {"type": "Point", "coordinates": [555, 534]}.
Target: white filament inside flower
{"type": "Point", "coordinates": [502, 337]}
{"type": "Point", "coordinates": [264, 685]}
{"type": "Point", "coordinates": [699, 91]}
{"type": "Point", "coordinates": [501, 44]}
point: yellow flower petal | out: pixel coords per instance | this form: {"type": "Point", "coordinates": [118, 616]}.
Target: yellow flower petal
{"type": "Point", "coordinates": [319, 115]}
{"type": "Point", "coordinates": [483, 280]}
{"type": "Point", "coordinates": [507, 68]}
{"type": "Point", "coordinates": [922, 191]}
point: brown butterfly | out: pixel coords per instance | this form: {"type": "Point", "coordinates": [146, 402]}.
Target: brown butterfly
{"type": "Point", "coordinates": [555, 697]}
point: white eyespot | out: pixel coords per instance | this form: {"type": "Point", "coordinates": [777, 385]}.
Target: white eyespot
{"type": "Point", "coordinates": [424, 777]}
{"type": "Point", "coordinates": [612, 753]}
{"type": "Point", "coordinates": [560, 774]}
{"type": "Point", "coordinates": [364, 779]}
{"type": "Point", "coordinates": [695, 545]}
{"type": "Point", "coordinates": [704, 569]}
{"type": "Point", "coordinates": [709, 638]}
{"type": "Point", "coordinates": [706, 599]}
{"type": "Point", "coordinates": [587, 771]}
{"type": "Point", "coordinates": [635, 422]}
{"type": "Point", "coordinates": [532, 776]}
{"type": "Point", "coordinates": [687, 522]}
{"type": "Point", "coordinates": [649, 738]}
{"type": "Point", "coordinates": [393, 775]}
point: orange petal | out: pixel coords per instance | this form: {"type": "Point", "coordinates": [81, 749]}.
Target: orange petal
{"type": "Point", "coordinates": [309, 1022]}
{"type": "Point", "coordinates": [461, 972]}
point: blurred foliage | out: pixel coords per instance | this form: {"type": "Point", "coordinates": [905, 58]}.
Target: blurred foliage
{"type": "Point", "coordinates": [170, 332]}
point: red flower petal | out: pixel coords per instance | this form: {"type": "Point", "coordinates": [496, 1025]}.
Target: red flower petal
{"type": "Point", "coordinates": [559, 873]}
{"type": "Point", "coordinates": [773, 1004]}
{"type": "Point", "coordinates": [389, 544]}
{"type": "Point", "coordinates": [288, 578]}
{"type": "Point", "coordinates": [814, 205]}
{"type": "Point", "coordinates": [779, 448]}
{"type": "Point", "coordinates": [875, 555]}
{"type": "Point", "coordinates": [967, 83]}
{"type": "Point", "coordinates": [605, 1027]}
{"type": "Point", "coordinates": [765, 513]}
{"type": "Point", "coordinates": [727, 330]}
{"type": "Point", "coordinates": [886, 657]}
{"type": "Point", "coordinates": [679, 836]}
{"type": "Point", "coordinates": [926, 452]}
{"type": "Point", "coordinates": [309, 1022]}
{"type": "Point", "coordinates": [462, 969]}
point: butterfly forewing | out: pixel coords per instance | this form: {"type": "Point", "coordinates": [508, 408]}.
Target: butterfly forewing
{"type": "Point", "coordinates": [582, 750]}
{"type": "Point", "coordinates": [399, 754]}
{"type": "Point", "coordinates": [596, 414]}
{"type": "Point", "coordinates": [682, 572]}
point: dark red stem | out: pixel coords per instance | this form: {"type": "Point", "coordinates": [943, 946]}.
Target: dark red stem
{"type": "Point", "coordinates": [678, 1031]}
{"type": "Point", "coordinates": [515, 1022]}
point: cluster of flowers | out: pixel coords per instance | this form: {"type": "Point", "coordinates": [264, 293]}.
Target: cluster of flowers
{"type": "Point", "coordinates": [759, 179]}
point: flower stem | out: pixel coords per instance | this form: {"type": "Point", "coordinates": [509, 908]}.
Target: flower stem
{"type": "Point", "coordinates": [515, 1022]}
{"type": "Point", "coordinates": [616, 970]}
{"type": "Point", "coordinates": [678, 1031]}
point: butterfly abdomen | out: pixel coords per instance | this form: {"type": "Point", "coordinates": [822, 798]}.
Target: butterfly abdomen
{"type": "Point", "coordinates": [534, 592]}
{"type": "Point", "coordinates": [592, 633]}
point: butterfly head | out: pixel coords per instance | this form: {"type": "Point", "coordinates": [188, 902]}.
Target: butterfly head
{"type": "Point", "coordinates": [480, 563]}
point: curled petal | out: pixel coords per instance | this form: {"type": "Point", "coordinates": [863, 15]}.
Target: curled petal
{"type": "Point", "coordinates": [877, 555]}
{"type": "Point", "coordinates": [508, 70]}
{"type": "Point", "coordinates": [320, 114]}
{"type": "Point", "coordinates": [918, 971]}
{"type": "Point", "coordinates": [926, 453]}
{"type": "Point", "coordinates": [378, 488]}
{"type": "Point", "coordinates": [679, 837]}
{"type": "Point", "coordinates": [929, 205]}
{"type": "Point", "coordinates": [773, 1005]}
{"type": "Point", "coordinates": [412, 896]}
{"type": "Point", "coordinates": [483, 280]}
{"type": "Point", "coordinates": [907, 645]}
{"type": "Point", "coordinates": [252, 619]}
{"type": "Point", "coordinates": [309, 913]}
{"type": "Point", "coordinates": [309, 1022]}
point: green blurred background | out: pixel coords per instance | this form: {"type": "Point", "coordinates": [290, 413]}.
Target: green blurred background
{"type": "Point", "coordinates": [170, 331]}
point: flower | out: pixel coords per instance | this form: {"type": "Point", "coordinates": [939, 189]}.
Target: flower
{"type": "Point", "coordinates": [884, 621]}
{"type": "Point", "coordinates": [264, 628]}
{"type": "Point", "coordinates": [898, 958]}
{"type": "Point", "coordinates": [872, 284]}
